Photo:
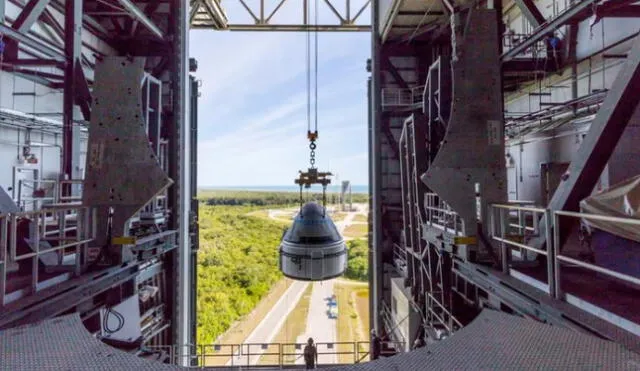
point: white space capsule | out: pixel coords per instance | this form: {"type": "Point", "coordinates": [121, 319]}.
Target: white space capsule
{"type": "Point", "coordinates": [312, 249]}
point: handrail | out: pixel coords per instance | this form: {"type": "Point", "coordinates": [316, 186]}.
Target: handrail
{"type": "Point", "coordinates": [604, 218]}
{"type": "Point", "coordinates": [521, 208]}
{"type": "Point", "coordinates": [499, 231]}
{"type": "Point", "coordinates": [205, 352]}
{"type": "Point", "coordinates": [393, 97]}
{"type": "Point", "coordinates": [500, 234]}
{"type": "Point", "coordinates": [43, 231]}
{"type": "Point", "coordinates": [561, 258]}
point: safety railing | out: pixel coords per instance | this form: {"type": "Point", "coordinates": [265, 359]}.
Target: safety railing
{"type": "Point", "coordinates": [502, 226]}
{"type": "Point", "coordinates": [558, 258]}
{"type": "Point", "coordinates": [75, 194]}
{"type": "Point", "coordinates": [400, 97]}
{"type": "Point", "coordinates": [512, 39]}
{"type": "Point", "coordinates": [39, 193]}
{"type": "Point", "coordinates": [33, 194]}
{"type": "Point", "coordinates": [258, 355]}
{"type": "Point", "coordinates": [441, 315]}
{"type": "Point", "coordinates": [400, 257]}
{"type": "Point", "coordinates": [441, 215]}
{"type": "Point", "coordinates": [32, 236]}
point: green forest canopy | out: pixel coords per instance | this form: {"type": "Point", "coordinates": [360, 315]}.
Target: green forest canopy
{"type": "Point", "coordinates": [223, 197]}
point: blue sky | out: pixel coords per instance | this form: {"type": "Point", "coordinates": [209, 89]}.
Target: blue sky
{"type": "Point", "coordinates": [253, 113]}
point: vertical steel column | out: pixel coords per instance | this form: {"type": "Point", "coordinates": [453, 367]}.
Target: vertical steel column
{"type": "Point", "coordinates": [375, 152]}
{"type": "Point", "coordinates": [194, 228]}
{"type": "Point", "coordinates": [73, 49]}
{"type": "Point", "coordinates": [505, 249]}
{"type": "Point", "coordinates": [556, 251]}
{"type": "Point", "coordinates": [180, 173]}
{"type": "Point", "coordinates": [371, 257]}
{"type": "Point", "coordinates": [602, 138]}
{"type": "Point", "coordinates": [550, 254]}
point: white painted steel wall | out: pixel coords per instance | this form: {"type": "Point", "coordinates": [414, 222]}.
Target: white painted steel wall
{"type": "Point", "coordinates": [594, 73]}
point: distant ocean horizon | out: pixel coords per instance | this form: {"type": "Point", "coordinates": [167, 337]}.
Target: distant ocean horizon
{"type": "Point", "coordinates": [355, 188]}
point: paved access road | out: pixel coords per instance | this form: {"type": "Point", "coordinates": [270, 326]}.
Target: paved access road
{"type": "Point", "coordinates": [319, 326]}
{"type": "Point", "coordinates": [271, 324]}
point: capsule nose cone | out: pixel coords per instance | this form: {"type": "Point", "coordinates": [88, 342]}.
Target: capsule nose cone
{"type": "Point", "coordinates": [312, 249]}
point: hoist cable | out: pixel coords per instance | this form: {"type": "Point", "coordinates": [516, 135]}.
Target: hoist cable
{"type": "Point", "coordinates": [316, 68]}
{"type": "Point", "coordinates": [308, 61]}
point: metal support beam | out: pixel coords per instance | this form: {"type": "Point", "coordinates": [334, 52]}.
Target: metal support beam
{"type": "Point", "coordinates": [388, 66]}
{"type": "Point", "coordinates": [60, 298]}
{"type": "Point", "coordinates": [574, 13]}
{"type": "Point", "coordinates": [375, 154]}
{"type": "Point", "coordinates": [209, 14]}
{"type": "Point", "coordinates": [83, 93]}
{"type": "Point", "coordinates": [393, 143]}
{"type": "Point", "coordinates": [141, 17]}
{"type": "Point", "coordinates": [35, 62]}
{"type": "Point", "coordinates": [73, 47]}
{"type": "Point", "coordinates": [29, 15]}
{"type": "Point", "coordinates": [605, 131]}
{"type": "Point", "coordinates": [450, 5]}
{"type": "Point", "coordinates": [631, 11]}
{"type": "Point", "coordinates": [37, 45]}
{"type": "Point", "coordinates": [531, 12]}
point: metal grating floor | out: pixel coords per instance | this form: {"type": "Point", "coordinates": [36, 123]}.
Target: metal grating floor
{"type": "Point", "coordinates": [64, 343]}
{"type": "Point", "coordinates": [499, 341]}
{"type": "Point", "coordinates": [494, 340]}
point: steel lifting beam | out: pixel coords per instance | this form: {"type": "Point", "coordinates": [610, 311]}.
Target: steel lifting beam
{"type": "Point", "coordinates": [531, 12]}
{"type": "Point", "coordinates": [141, 17]}
{"type": "Point", "coordinates": [575, 12]}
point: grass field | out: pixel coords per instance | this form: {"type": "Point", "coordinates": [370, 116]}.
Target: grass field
{"type": "Point", "coordinates": [293, 326]}
{"type": "Point", "coordinates": [356, 231]}
{"type": "Point", "coordinates": [352, 324]}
